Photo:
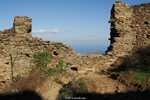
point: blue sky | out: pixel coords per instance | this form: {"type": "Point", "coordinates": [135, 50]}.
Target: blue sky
{"type": "Point", "coordinates": [79, 23]}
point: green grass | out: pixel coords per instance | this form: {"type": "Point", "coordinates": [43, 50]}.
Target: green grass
{"type": "Point", "coordinates": [142, 74]}
{"type": "Point", "coordinates": [139, 75]}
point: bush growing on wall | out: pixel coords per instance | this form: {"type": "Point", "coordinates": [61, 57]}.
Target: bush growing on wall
{"type": "Point", "coordinates": [42, 59]}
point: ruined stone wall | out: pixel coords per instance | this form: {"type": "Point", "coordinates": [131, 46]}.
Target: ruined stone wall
{"type": "Point", "coordinates": [141, 25]}
{"type": "Point", "coordinates": [130, 28]}
{"type": "Point", "coordinates": [130, 31]}
{"type": "Point", "coordinates": [19, 44]}
{"type": "Point", "coordinates": [22, 26]}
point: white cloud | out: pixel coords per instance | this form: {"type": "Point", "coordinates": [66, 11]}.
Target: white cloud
{"type": "Point", "coordinates": [48, 30]}
{"type": "Point", "coordinates": [55, 34]}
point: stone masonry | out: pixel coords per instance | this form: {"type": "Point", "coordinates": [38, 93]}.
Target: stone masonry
{"type": "Point", "coordinates": [130, 28]}
{"type": "Point", "coordinates": [22, 24]}
{"type": "Point", "coordinates": [17, 43]}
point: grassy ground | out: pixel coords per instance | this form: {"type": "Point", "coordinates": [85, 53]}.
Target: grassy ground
{"type": "Point", "coordinates": [137, 76]}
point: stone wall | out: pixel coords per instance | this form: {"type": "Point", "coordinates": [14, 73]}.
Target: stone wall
{"type": "Point", "coordinates": [19, 44]}
{"type": "Point", "coordinates": [141, 25]}
{"type": "Point", "coordinates": [130, 28]}
{"type": "Point", "coordinates": [130, 31]}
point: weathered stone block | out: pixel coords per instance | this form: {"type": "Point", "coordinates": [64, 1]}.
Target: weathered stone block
{"type": "Point", "coordinates": [22, 24]}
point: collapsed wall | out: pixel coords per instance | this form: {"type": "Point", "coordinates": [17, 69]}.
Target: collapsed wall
{"type": "Point", "coordinates": [18, 46]}
{"type": "Point", "coordinates": [130, 28]}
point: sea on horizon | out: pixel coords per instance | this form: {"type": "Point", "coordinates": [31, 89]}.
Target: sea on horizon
{"type": "Point", "coordinates": [90, 49]}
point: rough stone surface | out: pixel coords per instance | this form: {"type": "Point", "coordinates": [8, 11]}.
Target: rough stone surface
{"type": "Point", "coordinates": [130, 28]}
{"type": "Point", "coordinates": [22, 25]}
{"type": "Point", "coordinates": [20, 45]}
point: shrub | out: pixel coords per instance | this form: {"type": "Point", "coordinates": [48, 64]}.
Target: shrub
{"type": "Point", "coordinates": [65, 93]}
{"type": "Point", "coordinates": [60, 67]}
{"type": "Point", "coordinates": [41, 59]}
{"type": "Point", "coordinates": [72, 89]}
{"type": "Point", "coordinates": [80, 86]}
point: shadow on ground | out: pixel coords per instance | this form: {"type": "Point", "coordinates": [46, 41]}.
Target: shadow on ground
{"type": "Point", "coordinates": [134, 69]}
{"type": "Point", "coordinates": [31, 95]}
{"type": "Point", "coordinates": [23, 95]}
{"type": "Point", "coordinates": [139, 58]}
{"type": "Point", "coordinates": [145, 95]}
